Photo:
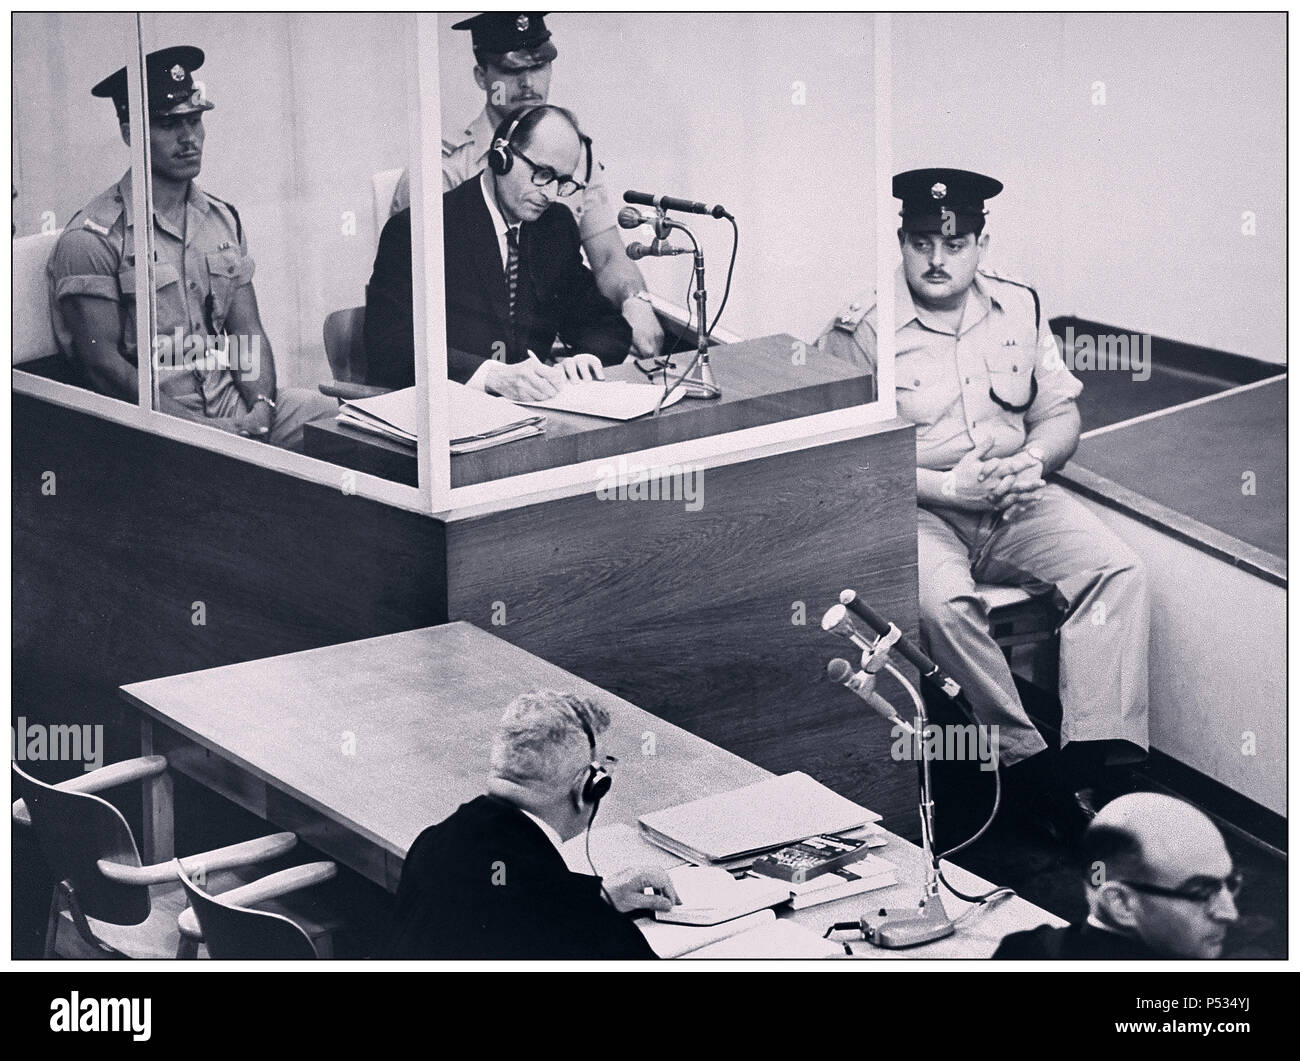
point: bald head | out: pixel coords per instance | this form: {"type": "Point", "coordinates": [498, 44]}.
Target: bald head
{"type": "Point", "coordinates": [1140, 848]}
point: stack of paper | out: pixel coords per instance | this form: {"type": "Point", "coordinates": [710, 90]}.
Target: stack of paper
{"type": "Point", "coordinates": [734, 825]}
{"type": "Point", "coordinates": [480, 421]}
{"type": "Point", "coordinates": [865, 875]}
{"type": "Point", "coordinates": [390, 415]}
{"type": "Point", "coordinates": [710, 896]}
{"type": "Point", "coordinates": [476, 420]}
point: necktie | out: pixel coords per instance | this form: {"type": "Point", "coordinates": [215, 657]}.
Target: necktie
{"type": "Point", "coordinates": [512, 266]}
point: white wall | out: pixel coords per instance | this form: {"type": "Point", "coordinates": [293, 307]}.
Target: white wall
{"type": "Point", "coordinates": [700, 106]}
{"type": "Point", "coordinates": [307, 108]}
{"type": "Point", "coordinates": [1129, 213]}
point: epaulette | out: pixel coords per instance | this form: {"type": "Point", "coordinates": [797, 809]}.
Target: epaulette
{"type": "Point", "coordinates": [993, 275]}
{"type": "Point", "coordinates": [848, 319]}
{"type": "Point", "coordinates": [239, 225]}
{"type": "Point", "coordinates": [449, 148]}
{"type": "Point", "coordinates": [94, 226]}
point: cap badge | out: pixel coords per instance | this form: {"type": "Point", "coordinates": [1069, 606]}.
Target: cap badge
{"type": "Point", "coordinates": [177, 72]}
{"type": "Point", "coordinates": [521, 23]}
{"type": "Point", "coordinates": [938, 191]}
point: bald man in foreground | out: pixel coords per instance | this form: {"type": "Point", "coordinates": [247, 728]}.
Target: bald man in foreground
{"type": "Point", "coordinates": [1160, 884]}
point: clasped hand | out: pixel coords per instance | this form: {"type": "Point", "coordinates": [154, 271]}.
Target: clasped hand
{"type": "Point", "coordinates": [1009, 485]}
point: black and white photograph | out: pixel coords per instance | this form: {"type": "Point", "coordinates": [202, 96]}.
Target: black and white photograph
{"type": "Point", "coordinates": [571, 491]}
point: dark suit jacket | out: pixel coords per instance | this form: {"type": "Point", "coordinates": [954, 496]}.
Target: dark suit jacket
{"type": "Point", "coordinates": [488, 883]}
{"type": "Point", "coordinates": [557, 294]}
{"type": "Point", "coordinates": [1080, 941]}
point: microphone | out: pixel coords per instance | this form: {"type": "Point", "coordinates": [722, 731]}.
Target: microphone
{"type": "Point", "coordinates": [928, 668]}
{"type": "Point", "coordinates": [657, 249]}
{"type": "Point", "coordinates": [863, 685]}
{"type": "Point", "coordinates": [631, 217]}
{"type": "Point", "coordinates": [668, 202]}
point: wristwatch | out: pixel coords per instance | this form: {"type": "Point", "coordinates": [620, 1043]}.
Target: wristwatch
{"type": "Point", "coordinates": [643, 295]}
{"type": "Point", "coordinates": [264, 398]}
{"type": "Point", "coordinates": [1036, 451]}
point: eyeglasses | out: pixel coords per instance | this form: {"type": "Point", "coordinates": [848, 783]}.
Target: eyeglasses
{"type": "Point", "coordinates": [1196, 890]}
{"type": "Point", "coordinates": [565, 185]}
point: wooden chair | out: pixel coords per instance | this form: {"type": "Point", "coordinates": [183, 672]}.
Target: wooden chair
{"type": "Point", "coordinates": [233, 932]}
{"type": "Point", "coordinates": [117, 907]}
{"type": "Point", "coordinates": [345, 350]}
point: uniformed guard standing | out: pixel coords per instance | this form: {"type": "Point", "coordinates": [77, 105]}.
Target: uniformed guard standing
{"type": "Point", "coordinates": [513, 52]}
{"type": "Point", "coordinates": [212, 357]}
{"type": "Point", "coordinates": [977, 371]}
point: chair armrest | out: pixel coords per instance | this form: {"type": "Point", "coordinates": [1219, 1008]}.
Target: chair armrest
{"type": "Point", "coordinates": [278, 884]}
{"type": "Point", "coordinates": [263, 890]}
{"type": "Point", "coordinates": [351, 391]}
{"type": "Point", "coordinates": [246, 854]}
{"type": "Point", "coordinates": [105, 777]}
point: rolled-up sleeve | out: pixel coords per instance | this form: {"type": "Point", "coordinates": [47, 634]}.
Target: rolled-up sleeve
{"type": "Point", "coordinates": [84, 264]}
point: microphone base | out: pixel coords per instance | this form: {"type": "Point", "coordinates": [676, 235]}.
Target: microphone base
{"type": "Point", "coordinates": [700, 383]}
{"type": "Point", "coordinates": [906, 926]}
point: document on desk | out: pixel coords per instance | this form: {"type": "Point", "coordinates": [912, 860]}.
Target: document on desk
{"type": "Point", "coordinates": [672, 941]}
{"type": "Point", "coordinates": [773, 939]}
{"type": "Point", "coordinates": [611, 399]}
{"type": "Point", "coordinates": [390, 415]}
{"type": "Point", "coordinates": [481, 421]}
{"type": "Point", "coordinates": [730, 826]}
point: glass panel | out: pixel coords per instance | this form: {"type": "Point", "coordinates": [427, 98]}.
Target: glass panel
{"type": "Point", "coordinates": [782, 139]}
{"type": "Point", "coordinates": [69, 154]}
{"type": "Point", "coordinates": [276, 142]}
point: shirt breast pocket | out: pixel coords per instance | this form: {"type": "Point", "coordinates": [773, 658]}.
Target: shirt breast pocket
{"type": "Point", "coordinates": [164, 276]}
{"type": "Point", "coordinates": [228, 270]}
{"type": "Point", "coordinates": [1011, 374]}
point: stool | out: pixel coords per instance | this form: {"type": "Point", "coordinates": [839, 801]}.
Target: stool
{"type": "Point", "coordinates": [1018, 617]}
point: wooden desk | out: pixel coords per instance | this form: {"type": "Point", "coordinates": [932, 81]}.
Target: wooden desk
{"type": "Point", "coordinates": [761, 384]}
{"type": "Point", "coordinates": [358, 747]}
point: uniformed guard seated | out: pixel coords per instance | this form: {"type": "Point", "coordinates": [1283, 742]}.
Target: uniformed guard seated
{"type": "Point", "coordinates": [979, 374]}
{"type": "Point", "coordinates": [212, 357]}
{"type": "Point", "coordinates": [513, 52]}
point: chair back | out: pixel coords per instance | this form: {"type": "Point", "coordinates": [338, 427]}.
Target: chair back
{"type": "Point", "coordinates": [74, 831]}
{"type": "Point", "coordinates": [235, 933]}
{"type": "Point", "coordinates": [384, 185]}
{"type": "Point", "coordinates": [345, 347]}
{"type": "Point", "coordinates": [33, 336]}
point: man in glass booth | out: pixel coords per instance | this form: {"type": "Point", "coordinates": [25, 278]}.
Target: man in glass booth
{"type": "Point", "coordinates": [513, 53]}
{"type": "Point", "coordinates": [211, 354]}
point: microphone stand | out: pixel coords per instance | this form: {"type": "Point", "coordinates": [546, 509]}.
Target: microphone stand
{"type": "Point", "coordinates": [697, 381]}
{"type": "Point", "coordinates": [906, 926]}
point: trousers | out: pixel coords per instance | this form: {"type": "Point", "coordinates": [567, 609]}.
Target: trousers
{"type": "Point", "coordinates": [1103, 640]}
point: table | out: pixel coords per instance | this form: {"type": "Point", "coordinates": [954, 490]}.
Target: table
{"type": "Point", "coordinates": [763, 381]}
{"type": "Point", "coordinates": [358, 747]}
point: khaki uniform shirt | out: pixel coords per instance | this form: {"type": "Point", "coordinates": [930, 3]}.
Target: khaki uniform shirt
{"type": "Point", "coordinates": [942, 377]}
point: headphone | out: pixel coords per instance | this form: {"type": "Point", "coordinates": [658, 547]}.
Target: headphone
{"type": "Point", "coordinates": [598, 780]}
{"type": "Point", "coordinates": [501, 157]}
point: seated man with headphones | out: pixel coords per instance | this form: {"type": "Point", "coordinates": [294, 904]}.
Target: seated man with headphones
{"type": "Point", "coordinates": [490, 881]}
{"type": "Point", "coordinates": [513, 270]}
